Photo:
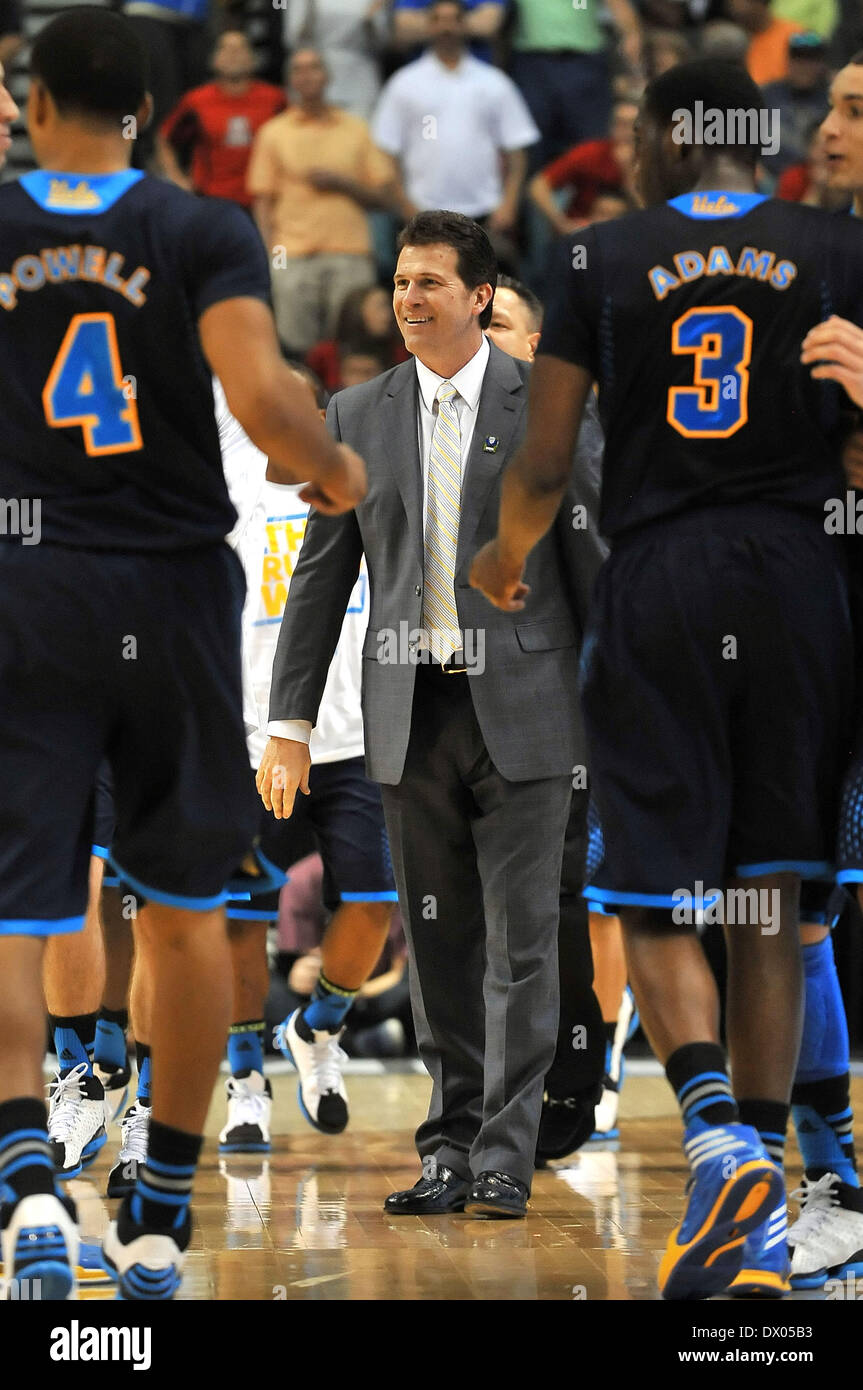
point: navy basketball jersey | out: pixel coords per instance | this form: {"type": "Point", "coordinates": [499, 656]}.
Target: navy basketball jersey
{"type": "Point", "coordinates": [691, 317]}
{"type": "Point", "coordinates": [106, 403]}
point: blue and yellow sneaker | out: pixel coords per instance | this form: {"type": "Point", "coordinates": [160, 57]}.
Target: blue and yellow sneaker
{"type": "Point", "coordinates": [733, 1188]}
{"type": "Point", "coordinates": [765, 1270]}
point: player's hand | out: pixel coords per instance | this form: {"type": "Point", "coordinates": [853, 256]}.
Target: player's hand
{"type": "Point", "coordinates": [500, 582]}
{"type": "Point", "coordinates": [836, 346]}
{"type": "Point", "coordinates": [341, 490]}
{"type": "Point", "coordinates": [284, 768]}
{"type": "Point", "coordinates": [852, 459]}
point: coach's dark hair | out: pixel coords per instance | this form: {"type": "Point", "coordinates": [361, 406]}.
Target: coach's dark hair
{"type": "Point", "coordinates": [532, 303]}
{"type": "Point", "coordinates": [476, 262]}
{"type": "Point", "coordinates": [92, 63]}
{"type": "Point", "coordinates": [717, 84]}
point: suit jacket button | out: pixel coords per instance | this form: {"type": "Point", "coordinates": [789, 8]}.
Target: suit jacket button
{"type": "Point", "coordinates": [417, 590]}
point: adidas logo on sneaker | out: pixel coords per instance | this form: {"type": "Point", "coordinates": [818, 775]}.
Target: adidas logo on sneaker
{"type": "Point", "coordinates": [66, 1055]}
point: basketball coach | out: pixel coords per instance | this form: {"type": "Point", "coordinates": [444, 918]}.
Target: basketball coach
{"type": "Point", "coordinates": [471, 714]}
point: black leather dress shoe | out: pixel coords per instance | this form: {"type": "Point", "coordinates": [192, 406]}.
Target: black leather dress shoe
{"type": "Point", "coordinates": [496, 1194]}
{"type": "Point", "coordinates": [430, 1196]}
{"type": "Point", "coordinates": [567, 1123]}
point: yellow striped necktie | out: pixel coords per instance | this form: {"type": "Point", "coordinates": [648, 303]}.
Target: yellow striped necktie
{"type": "Point", "coordinates": [440, 616]}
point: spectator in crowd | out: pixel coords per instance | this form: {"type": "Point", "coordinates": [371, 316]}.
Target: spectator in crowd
{"type": "Point", "coordinates": [350, 36]}
{"type": "Point", "coordinates": [801, 100]}
{"type": "Point", "coordinates": [595, 165]}
{"type": "Point", "coordinates": [215, 125]}
{"type": "Point", "coordinates": [723, 40]}
{"type": "Point", "coordinates": [174, 33]}
{"type": "Point", "coordinates": [451, 121]}
{"type": "Point", "coordinates": [483, 23]}
{"type": "Point", "coordinates": [313, 174]}
{"type": "Point", "coordinates": [11, 30]}
{"type": "Point", "coordinates": [767, 53]}
{"type": "Point", "coordinates": [366, 325]}
{"type": "Point", "coordinates": [561, 65]}
{"type": "Point", "coordinates": [817, 16]}
{"type": "Point", "coordinates": [665, 48]}
{"type": "Point", "coordinates": [809, 182]}
{"type": "Point", "coordinates": [679, 14]}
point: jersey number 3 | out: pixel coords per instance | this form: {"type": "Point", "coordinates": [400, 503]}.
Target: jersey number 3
{"type": "Point", "coordinates": [720, 339]}
{"type": "Point", "coordinates": [86, 387]}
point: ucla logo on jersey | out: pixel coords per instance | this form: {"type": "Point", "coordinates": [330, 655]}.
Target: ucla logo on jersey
{"type": "Point", "coordinates": [81, 197]}
{"type": "Point", "coordinates": [705, 206]}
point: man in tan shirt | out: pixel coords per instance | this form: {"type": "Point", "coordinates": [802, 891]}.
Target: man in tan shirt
{"type": "Point", "coordinates": [313, 173]}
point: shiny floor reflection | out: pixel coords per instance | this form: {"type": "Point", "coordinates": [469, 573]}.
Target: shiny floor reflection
{"type": "Point", "coordinates": [307, 1221]}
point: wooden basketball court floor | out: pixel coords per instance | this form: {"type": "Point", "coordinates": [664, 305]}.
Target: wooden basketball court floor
{"type": "Point", "coordinates": [307, 1221]}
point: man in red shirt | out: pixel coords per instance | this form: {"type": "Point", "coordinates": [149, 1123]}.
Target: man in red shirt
{"type": "Point", "coordinates": [586, 170]}
{"type": "Point", "coordinates": [218, 122]}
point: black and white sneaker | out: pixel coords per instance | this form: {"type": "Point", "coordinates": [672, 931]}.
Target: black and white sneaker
{"type": "Point", "coordinates": [319, 1060]}
{"type": "Point", "coordinates": [134, 1132]}
{"type": "Point", "coordinates": [115, 1082]}
{"type": "Point", "coordinates": [250, 1105]}
{"type": "Point", "coordinates": [147, 1262]}
{"type": "Point", "coordinates": [39, 1241]}
{"type": "Point", "coordinates": [76, 1120]}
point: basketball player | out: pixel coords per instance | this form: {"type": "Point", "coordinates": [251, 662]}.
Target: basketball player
{"type": "Point", "coordinates": [720, 635]}
{"type": "Point", "coordinates": [119, 633]}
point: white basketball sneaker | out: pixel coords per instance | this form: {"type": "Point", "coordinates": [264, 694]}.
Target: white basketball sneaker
{"type": "Point", "coordinates": [319, 1060]}
{"type": "Point", "coordinates": [826, 1240]}
{"type": "Point", "coordinates": [40, 1248]}
{"type": "Point", "coordinates": [250, 1106]}
{"type": "Point", "coordinates": [76, 1120]}
{"type": "Point", "coordinates": [134, 1134]}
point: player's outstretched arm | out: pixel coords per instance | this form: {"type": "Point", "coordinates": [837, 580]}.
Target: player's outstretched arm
{"type": "Point", "coordinates": [535, 480]}
{"type": "Point", "coordinates": [836, 347]}
{"type": "Point", "coordinates": [273, 406]}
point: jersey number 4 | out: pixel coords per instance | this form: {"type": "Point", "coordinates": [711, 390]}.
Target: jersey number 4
{"type": "Point", "coordinates": [717, 405]}
{"type": "Point", "coordinates": [86, 387]}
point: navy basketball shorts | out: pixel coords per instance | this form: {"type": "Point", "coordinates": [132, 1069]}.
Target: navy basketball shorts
{"type": "Point", "coordinates": [343, 818]}
{"type": "Point", "coordinates": [133, 659]}
{"type": "Point", "coordinates": [717, 677]}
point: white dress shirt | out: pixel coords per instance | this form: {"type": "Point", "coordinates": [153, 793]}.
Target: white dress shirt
{"type": "Point", "coordinates": [448, 126]}
{"type": "Point", "coordinates": [468, 382]}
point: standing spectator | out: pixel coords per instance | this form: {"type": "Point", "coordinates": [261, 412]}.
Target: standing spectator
{"type": "Point", "coordinates": [366, 327]}
{"type": "Point", "coordinates": [818, 16]}
{"type": "Point", "coordinates": [801, 100]}
{"type": "Point", "coordinates": [313, 173]}
{"type": "Point", "coordinates": [483, 22]}
{"type": "Point", "coordinates": [561, 67]}
{"type": "Point", "coordinates": [767, 54]}
{"type": "Point", "coordinates": [590, 168]}
{"type": "Point", "coordinates": [810, 182]}
{"type": "Point", "coordinates": [11, 27]}
{"type": "Point", "coordinates": [451, 121]}
{"type": "Point", "coordinates": [665, 48]}
{"type": "Point", "coordinates": [218, 123]}
{"type": "Point", "coordinates": [349, 35]}
{"type": "Point", "coordinates": [174, 33]}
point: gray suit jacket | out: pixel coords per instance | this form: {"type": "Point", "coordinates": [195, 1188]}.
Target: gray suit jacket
{"type": "Point", "coordinates": [526, 698]}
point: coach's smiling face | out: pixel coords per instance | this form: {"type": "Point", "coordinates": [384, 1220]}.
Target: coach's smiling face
{"type": "Point", "coordinates": [436, 311]}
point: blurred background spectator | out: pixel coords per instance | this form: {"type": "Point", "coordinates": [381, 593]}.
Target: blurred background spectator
{"type": "Point", "coordinates": [350, 35]}
{"type": "Point", "coordinates": [366, 327]}
{"type": "Point", "coordinates": [801, 99]}
{"type": "Point", "coordinates": [206, 142]}
{"type": "Point", "coordinates": [581, 173]}
{"type": "Point", "coordinates": [664, 49]}
{"type": "Point", "coordinates": [722, 39]}
{"type": "Point", "coordinates": [459, 130]}
{"type": "Point", "coordinates": [484, 20]}
{"type": "Point", "coordinates": [11, 30]}
{"type": "Point", "coordinates": [807, 181]}
{"type": "Point", "coordinates": [313, 173]}
{"type": "Point", "coordinates": [767, 50]}
{"type": "Point", "coordinates": [817, 16]}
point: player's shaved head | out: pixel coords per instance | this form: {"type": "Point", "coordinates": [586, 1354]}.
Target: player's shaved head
{"type": "Point", "coordinates": [717, 85]}
{"type": "Point", "coordinates": [92, 64]}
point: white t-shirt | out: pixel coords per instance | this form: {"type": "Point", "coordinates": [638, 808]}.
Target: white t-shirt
{"type": "Point", "coordinates": [267, 537]}
{"type": "Point", "coordinates": [448, 127]}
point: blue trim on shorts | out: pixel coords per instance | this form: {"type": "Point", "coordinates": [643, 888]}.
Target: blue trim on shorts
{"type": "Point", "coordinates": [24, 926]}
{"type": "Point", "coordinates": [389, 896]}
{"type": "Point", "coordinates": [100, 851]}
{"type": "Point", "coordinates": [111, 880]}
{"type": "Point", "coordinates": [850, 876]}
{"type": "Point", "coordinates": [607, 895]}
{"type": "Point", "coordinates": [155, 895]}
{"type": "Point", "coordinates": [806, 868]}
{"type": "Point", "coordinates": [251, 914]}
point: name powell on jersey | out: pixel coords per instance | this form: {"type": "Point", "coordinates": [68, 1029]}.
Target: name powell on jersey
{"type": "Point", "coordinates": [691, 265]}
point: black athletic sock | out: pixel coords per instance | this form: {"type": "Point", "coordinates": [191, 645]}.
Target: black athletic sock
{"type": "Point", "coordinates": [698, 1075]}
{"type": "Point", "coordinates": [164, 1186]}
{"type": "Point", "coordinates": [770, 1118]}
{"type": "Point", "coordinates": [824, 1122]}
{"type": "Point", "coordinates": [26, 1165]}
{"type": "Point", "coordinates": [610, 1029]}
{"type": "Point", "coordinates": [74, 1039]}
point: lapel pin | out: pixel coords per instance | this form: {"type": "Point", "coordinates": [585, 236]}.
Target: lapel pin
{"type": "Point", "coordinates": [491, 443]}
